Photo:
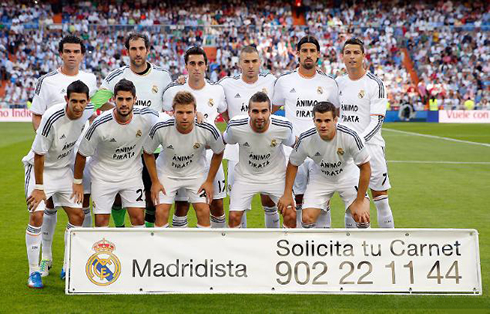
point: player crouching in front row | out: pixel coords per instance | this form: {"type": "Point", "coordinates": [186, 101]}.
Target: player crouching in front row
{"type": "Point", "coordinates": [335, 151]}
{"type": "Point", "coordinates": [182, 162]}
{"type": "Point", "coordinates": [262, 164]}
{"type": "Point", "coordinates": [48, 169]}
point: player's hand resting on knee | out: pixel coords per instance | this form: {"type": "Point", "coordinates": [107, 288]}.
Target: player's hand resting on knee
{"type": "Point", "coordinates": [360, 211]}
{"type": "Point", "coordinates": [208, 188]}
{"type": "Point", "coordinates": [156, 188]}
{"type": "Point", "coordinates": [35, 198]}
{"type": "Point", "coordinates": [285, 202]}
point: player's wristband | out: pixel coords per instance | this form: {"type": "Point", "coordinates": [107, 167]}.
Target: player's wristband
{"type": "Point", "coordinates": [39, 187]}
{"type": "Point", "coordinates": [77, 181]}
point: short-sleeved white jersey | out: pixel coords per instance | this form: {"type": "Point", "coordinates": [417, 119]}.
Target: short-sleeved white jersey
{"type": "Point", "coordinates": [183, 155]}
{"type": "Point", "coordinates": [238, 94]}
{"type": "Point", "coordinates": [261, 155]}
{"type": "Point", "coordinates": [335, 159]}
{"type": "Point", "coordinates": [359, 101]}
{"type": "Point", "coordinates": [298, 95]}
{"type": "Point", "coordinates": [149, 86]}
{"type": "Point", "coordinates": [56, 137]}
{"type": "Point", "coordinates": [210, 99]}
{"type": "Point", "coordinates": [51, 89]}
{"type": "Point", "coordinates": [115, 148]}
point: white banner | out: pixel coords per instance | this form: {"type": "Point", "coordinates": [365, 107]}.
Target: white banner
{"type": "Point", "coordinates": [464, 116]}
{"type": "Point", "coordinates": [396, 261]}
{"type": "Point", "coordinates": [15, 115]}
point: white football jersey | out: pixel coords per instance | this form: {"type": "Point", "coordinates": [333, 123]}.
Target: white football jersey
{"type": "Point", "coordinates": [51, 89]}
{"type": "Point", "coordinates": [210, 99]}
{"type": "Point", "coordinates": [359, 100]}
{"type": "Point", "coordinates": [261, 155]}
{"type": "Point", "coordinates": [183, 155]}
{"type": "Point", "coordinates": [335, 159]}
{"type": "Point", "coordinates": [115, 148]}
{"type": "Point", "coordinates": [238, 95]}
{"type": "Point", "coordinates": [56, 137]}
{"type": "Point", "coordinates": [149, 87]}
{"type": "Point", "coordinates": [298, 95]}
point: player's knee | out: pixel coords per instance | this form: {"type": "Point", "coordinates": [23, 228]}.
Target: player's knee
{"type": "Point", "coordinates": [76, 217]}
{"type": "Point", "coordinates": [181, 208]}
{"type": "Point", "coordinates": [216, 208]}
{"type": "Point", "coordinates": [289, 218]}
{"type": "Point", "coordinates": [36, 219]}
{"type": "Point", "coordinates": [308, 217]}
{"type": "Point", "coordinates": [376, 194]}
{"type": "Point", "coordinates": [234, 219]}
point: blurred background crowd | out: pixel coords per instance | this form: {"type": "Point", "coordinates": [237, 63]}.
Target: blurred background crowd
{"type": "Point", "coordinates": [435, 51]}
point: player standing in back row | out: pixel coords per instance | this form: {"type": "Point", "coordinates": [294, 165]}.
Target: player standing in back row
{"type": "Point", "coordinates": [238, 91]}
{"type": "Point", "coordinates": [363, 108]}
{"type": "Point", "coordinates": [150, 82]}
{"type": "Point", "coordinates": [299, 91]}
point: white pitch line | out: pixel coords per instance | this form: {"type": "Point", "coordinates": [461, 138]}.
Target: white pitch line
{"type": "Point", "coordinates": [437, 137]}
{"type": "Point", "coordinates": [440, 162]}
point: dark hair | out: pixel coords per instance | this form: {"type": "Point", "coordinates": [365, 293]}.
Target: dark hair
{"type": "Point", "coordinates": [125, 86]}
{"type": "Point", "coordinates": [324, 106]}
{"type": "Point", "coordinates": [248, 49]}
{"type": "Point", "coordinates": [184, 98]}
{"type": "Point", "coordinates": [77, 87]}
{"type": "Point", "coordinates": [135, 36]}
{"type": "Point", "coordinates": [195, 51]}
{"type": "Point", "coordinates": [70, 39]}
{"type": "Point", "coordinates": [259, 97]}
{"type": "Point", "coordinates": [308, 39]}
{"type": "Point", "coordinates": [353, 41]}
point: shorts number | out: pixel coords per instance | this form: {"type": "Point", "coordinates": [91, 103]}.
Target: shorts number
{"type": "Point", "coordinates": [386, 177]}
{"type": "Point", "coordinates": [221, 186]}
{"type": "Point", "coordinates": [140, 197]}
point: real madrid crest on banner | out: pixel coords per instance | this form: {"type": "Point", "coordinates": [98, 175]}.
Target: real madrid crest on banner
{"type": "Point", "coordinates": [319, 90]}
{"type": "Point", "coordinates": [211, 102]}
{"type": "Point", "coordinates": [103, 268]}
{"type": "Point", "coordinates": [361, 93]}
{"type": "Point", "coordinates": [154, 89]}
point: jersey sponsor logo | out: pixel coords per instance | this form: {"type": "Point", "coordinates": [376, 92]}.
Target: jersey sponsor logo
{"type": "Point", "coordinates": [319, 90]}
{"type": "Point", "coordinates": [180, 162]}
{"type": "Point", "coordinates": [354, 108]}
{"type": "Point", "coordinates": [246, 144]}
{"type": "Point", "coordinates": [103, 267]}
{"type": "Point", "coordinates": [318, 154]}
{"type": "Point", "coordinates": [113, 140]}
{"type": "Point", "coordinates": [292, 90]}
{"type": "Point", "coordinates": [361, 94]}
{"type": "Point", "coordinates": [304, 106]}
{"type": "Point", "coordinates": [274, 143]}
{"type": "Point", "coordinates": [170, 147]}
{"type": "Point", "coordinates": [139, 133]}
{"type": "Point", "coordinates": [331, 169]}
{"type": "Point", "coordinates": [346, 119]}
{"type": "Point", "coordinates": [259, 161]}
{"type": "Point", "coordinates": [244, 107]}
{"type": "Point", "coordinates": [211, 102]}
{"type": "Point", "coordinates": [154, 89]}
{"type": "Point", "coordinates": [340, 151]}
{"type": "Point", "coordinates": [238, 95]}
{"type": "Point", "coordinates": [144, 103]}
{"type": "Point", "coordinates": [197, 145]}
{"type": "Point", "coordinates": [62, 136]}
{"type": "Point", "coordinates": [124, 152]}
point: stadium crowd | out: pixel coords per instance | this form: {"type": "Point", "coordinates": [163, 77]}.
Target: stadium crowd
{"type": "Point", "coordinates": [448, 42]}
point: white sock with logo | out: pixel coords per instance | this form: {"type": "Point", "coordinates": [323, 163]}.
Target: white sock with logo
{"type": "Point", "coordinates": [385, 216]}
{"type": "Point", "coordinates": [218, 222]}
{"type": "Point", "coordinates": [272, 219]}
{"type": "Point", "coordinates": [50, 217]}
{"type": "Point", "coordinates": [33, 245]}
{"type": "Point", "coordinates": [179, 221]}
{"type": "Point", "coordinates": [87, 221]}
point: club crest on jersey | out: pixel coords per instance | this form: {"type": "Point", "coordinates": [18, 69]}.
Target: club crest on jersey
{"type": "Point", "coordinates": [340, 151]}
{"type": "Point", "coordinates": [154, 89]}
{"type": "Point", "coordinates": [139, 133]}
{"type": "Point", "coordinates": [103, 267]}
{"type": "Point", "coordinates": [197, 145]}
{"type": "Point", "coordinates": [211, 102]}
{"type": "Point", "coordinates": [274, 143]}
{"type": "Point", "coordinates": [319, 90]}
{"type": "Point", "coordinates": [361, 93]}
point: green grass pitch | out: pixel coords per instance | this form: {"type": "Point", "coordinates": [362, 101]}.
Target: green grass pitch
{"type": "Point", "coordinates": [426, 194]}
